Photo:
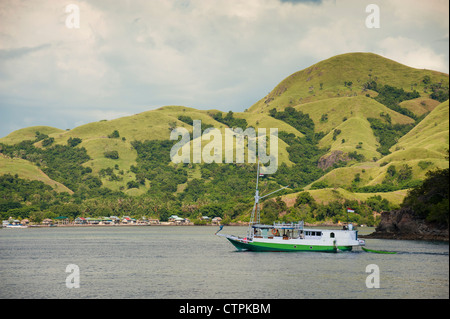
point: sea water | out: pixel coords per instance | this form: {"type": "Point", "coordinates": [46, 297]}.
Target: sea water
{"type": "Point", "coordinates": [158, 262]}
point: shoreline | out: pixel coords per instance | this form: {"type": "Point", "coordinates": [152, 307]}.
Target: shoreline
{"type": "Point", "coordinates": [374, 235]}
{"type": "Point", "coordinates": [174, 224]}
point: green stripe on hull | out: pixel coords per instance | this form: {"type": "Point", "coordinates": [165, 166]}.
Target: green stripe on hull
{"type": "Point", "coordinates": [256, 246]}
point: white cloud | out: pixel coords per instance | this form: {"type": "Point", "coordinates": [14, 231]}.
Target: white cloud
{"type": "Point", "coordinates": [411, 53]}
{"type": "Point", "coordinates": [224, 54]}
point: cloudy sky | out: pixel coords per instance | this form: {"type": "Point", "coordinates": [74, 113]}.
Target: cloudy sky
{"type": "Point", "coordinates": [130, 56]}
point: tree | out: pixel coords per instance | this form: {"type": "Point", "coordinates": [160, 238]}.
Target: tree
{"type": "Point", "coordinates": [48, 141]}
{"type": "Point", "coordinates": [72, 142]}
{"type": "Point", "coordinates": [431, 199]}
{"type": "Point", "coordinates": [114, 134]}
{"type": "Point", "coordinates": [304, 198]}
{"type": "Point", "coordinates": [111, 154]}
{"type": "Point", "coordinates": [405, 173]}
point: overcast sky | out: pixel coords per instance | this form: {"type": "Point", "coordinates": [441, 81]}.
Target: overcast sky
{"type": "Point", "coordinates": [130, 56]}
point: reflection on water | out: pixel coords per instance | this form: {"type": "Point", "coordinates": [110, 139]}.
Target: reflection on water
{"type": "Point", "coordinates": [190, 262]}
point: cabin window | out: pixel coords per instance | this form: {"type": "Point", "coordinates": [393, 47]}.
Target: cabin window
{"type": "Point", "coordinates": [331, 235]}
{"type": "Point", "coordinates": [313, 233]}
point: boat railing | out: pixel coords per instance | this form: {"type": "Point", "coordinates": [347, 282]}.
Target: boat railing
{"type": "Point", "coordinates": [296, 226]}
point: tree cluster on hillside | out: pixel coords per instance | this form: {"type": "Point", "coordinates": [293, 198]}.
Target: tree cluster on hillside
{"type": "Point", "coordinates": [439, 90]}
{"type": "Point", "coordinates": [387, 133]}
{"type": "Point", "coordinates": [62, 163]}
{"type": "Point", "coordinates": [391, 96]}
{"type": "Point", "coordinates": [430, 200]}
{"type": "Point", "coordinates": [230, 120]}
{"type": "Point", "coordinates": [304, 151]}
{"type": "Point", "coordinates": [306, 208]}
{"type": "Point", "coordinates": [297, 119]}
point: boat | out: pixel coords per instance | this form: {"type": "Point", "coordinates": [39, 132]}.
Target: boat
{"type": "Point", "coordinates": [15, 226]}
{"type": "Point", "coordinates": [291, 237]}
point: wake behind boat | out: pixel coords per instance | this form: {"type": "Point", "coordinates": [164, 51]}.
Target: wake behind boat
{"type": "Point", "coordinates": [291, 236]}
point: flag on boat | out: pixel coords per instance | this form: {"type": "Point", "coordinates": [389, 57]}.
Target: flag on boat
{"type": "Point", "coordinates": [349, 210]}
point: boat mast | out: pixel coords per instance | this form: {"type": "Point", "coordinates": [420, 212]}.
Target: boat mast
{"type": "Point", "coordinates": [256, 211]}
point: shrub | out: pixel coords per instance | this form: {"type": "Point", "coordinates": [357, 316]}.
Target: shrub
{"type": "Point", "coordinates": [111, 154]}
{"type": "Point", "coordinates": [114, 134]}
{"type": "Point", "coordinates": [72, 142]}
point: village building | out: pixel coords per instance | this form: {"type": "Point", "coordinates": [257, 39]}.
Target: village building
{"type": "Point", "coordinates": [62, 220]}
{"type": "Point", "coordinates": [128, 221]}
{"type": "Point", "coordinates": [80, 221]}
{"type": "Point", "coordinates": [47, 222]}
{"type": "Point", "coordinates": [174, 219]}
{"type": "Point", "coordinates": [152, 221]}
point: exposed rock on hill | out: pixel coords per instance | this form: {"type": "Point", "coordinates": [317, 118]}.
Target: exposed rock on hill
{"type": "Point", "coordinates": [402, 224]}
{"type": "Point", "coordinates": [327, 161]}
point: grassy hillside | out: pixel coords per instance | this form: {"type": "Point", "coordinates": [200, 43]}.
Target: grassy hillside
{"type": "Point", "coordinates": [344, 76]}
{"type": "Point", "coordinates": [29, 133]}
{"type": "Point", "coordinates": [431, 134]}
{"type": "Point", "coordinates": [349, 116]}
{"type": "Point", "coordinates": [423, 148]}
{"type": "Point", "coordinates": [325, 196]}
{"type": "Point", "coordinates": [375, 123]}
{"type": "Point", "coordinates": [27, 170]}
{"type": "Point", "coordinates": [420, 106]}
{"type": "Point", "coordinates": [150, 125]}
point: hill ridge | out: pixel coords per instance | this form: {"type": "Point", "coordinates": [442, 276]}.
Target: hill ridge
{"type": "Point", "coordinates": [129, 155]}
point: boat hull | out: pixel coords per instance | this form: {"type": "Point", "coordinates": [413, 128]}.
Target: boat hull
{"type": "Point", "coordinates": [288, 247]}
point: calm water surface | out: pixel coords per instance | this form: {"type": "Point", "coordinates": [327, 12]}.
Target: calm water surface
{"type": "Point", "coordinates": [190, 262]}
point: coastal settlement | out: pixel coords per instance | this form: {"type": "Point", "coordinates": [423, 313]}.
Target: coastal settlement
{"type": "Point", "coordinates": [173, 220]}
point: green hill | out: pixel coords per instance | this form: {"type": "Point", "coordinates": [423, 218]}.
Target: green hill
{"type": "Point", "coordinates": [351, 127]}
{"type": "Point", "coordinates": [423, 148]}
{"type": "Point", "coordinates": [29, 133]}
{"type": "Point", "coordinates": [344, 76]}
{"type": "Point", "coordinates": [26, 170]}
{"type": "Point", "coordinates": [430, 135]}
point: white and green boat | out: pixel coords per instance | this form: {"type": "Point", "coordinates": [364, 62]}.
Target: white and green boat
{"type": "Point", "coordinates": [292, 236]}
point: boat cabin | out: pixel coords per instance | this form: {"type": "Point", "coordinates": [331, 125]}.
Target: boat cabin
{"type": "Point", "coordinates": [288, 231]}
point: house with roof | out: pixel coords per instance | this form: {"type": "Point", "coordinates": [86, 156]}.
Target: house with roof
{"type": "Point", "coordinates": [47, 222]}
{"type": "Point", "coordinates": [115, 219]}
{"type": "Point", "coordinates": [62, 220]}
{"type": "Point", "coordinates": [128, 221]}
{"type": "Point", "coordinates": [154, 221]}
{"type": "Point", "coordinates": [178, 220]}
{"type": "Point", "coordinates": [80, 221]}
{"type": "Point", "coordinates": [93, 221]}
